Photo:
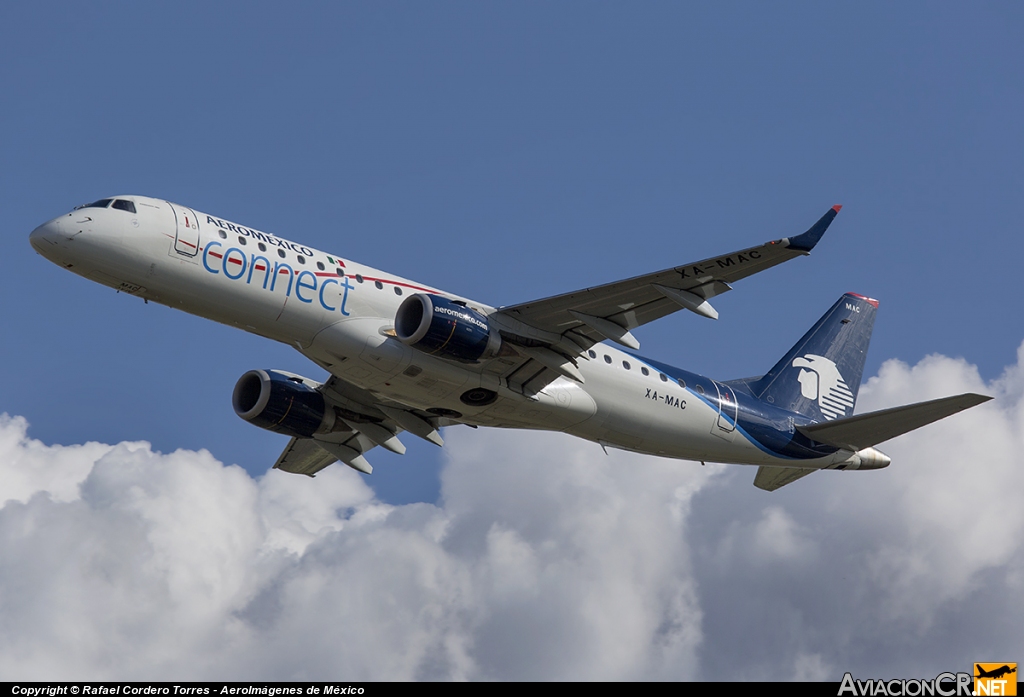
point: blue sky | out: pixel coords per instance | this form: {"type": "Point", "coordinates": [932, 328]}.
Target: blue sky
{"type": "Point", "coordinates": [508, 151]}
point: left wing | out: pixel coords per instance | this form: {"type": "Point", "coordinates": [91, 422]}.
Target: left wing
{"type": "Point", "coordinates": [550, 334]}
{"type": "Point", "coordinates": [612, 310]}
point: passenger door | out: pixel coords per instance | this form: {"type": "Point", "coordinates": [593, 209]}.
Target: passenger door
{"type": "Point", "coordinates": [186, 239]}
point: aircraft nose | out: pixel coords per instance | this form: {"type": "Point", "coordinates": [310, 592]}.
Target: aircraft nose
{"type": "Point", "coordinates": [45, 237]}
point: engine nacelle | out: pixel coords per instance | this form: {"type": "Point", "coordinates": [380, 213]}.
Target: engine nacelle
{"type": "Point", "coordinates": [281, 402]}
{"type": "Point", "coordinates": [436, 325]}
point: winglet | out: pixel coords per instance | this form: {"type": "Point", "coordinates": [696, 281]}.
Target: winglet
{"type": "Point", "coordinates": [805, 242]}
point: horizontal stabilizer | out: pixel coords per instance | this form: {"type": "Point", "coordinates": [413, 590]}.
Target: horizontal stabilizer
{"type": "Point", "coordinates": [865, 430]}
{"type": "Point", "coordinates": [772, 478]}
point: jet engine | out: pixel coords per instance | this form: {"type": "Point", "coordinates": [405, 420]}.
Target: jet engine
{"type": "Point", "coordinates": [282, 402]}
{"type": "Point", "coordinates": [439, 326]}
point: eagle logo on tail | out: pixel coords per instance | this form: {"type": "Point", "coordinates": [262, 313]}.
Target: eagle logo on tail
{"type": "Point", "coordinates": [820, 380]}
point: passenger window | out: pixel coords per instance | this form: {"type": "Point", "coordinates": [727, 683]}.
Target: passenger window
{"type": "Point", "coordinates": [380, 286]}
{"type": "Point", "coordinates": [700, 389]}
{"type": "Point", "coordinates": [682, 383]}
{"type": "Point", "coordinates": [664, 378]}
{"type": "Point", "coordinates": [122, 205]}
{"type": "Point", "coordinates": [223, 235]}
{"type": "Point", "coordinates": [341, 272]}
{"type": "Point", "coordinates": [301, 259]}
{"type": "Point", "coordinates": [625, 364]}
{"type": "Point", "coordinates": [607, 359]}
{"type": "Point", "coordinates": [262, 246]}
{"type": "Point", "coordinates": [280, 253]}
{"type": "Point", "coordinates": [592, 354]}
{"type": "Point", "coordinates": [241, 240]}
{"type": "Point", "coordinates": [359, 278]}
{"type": "Point", "coordinates": [398, 290]}
{"type": "Point", "coordinates": [320, 265]}
{"type": "Point", "coordinates": [644, 370]}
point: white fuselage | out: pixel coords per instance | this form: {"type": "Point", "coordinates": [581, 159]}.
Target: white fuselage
{"type": "Point", "coordinates": [341, 314]}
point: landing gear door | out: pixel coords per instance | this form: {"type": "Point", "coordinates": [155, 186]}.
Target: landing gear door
{"type": "Point", "coordinates": [186, 239]}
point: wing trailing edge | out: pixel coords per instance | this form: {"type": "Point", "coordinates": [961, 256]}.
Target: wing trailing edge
{"type": "Point", "coordinates": [304, 456]}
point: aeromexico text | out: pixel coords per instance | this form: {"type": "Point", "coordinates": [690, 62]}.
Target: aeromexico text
{"type": "Point", "coordinates": [257, 235]}
{"type": "Point", "coordinates": [468, 317]}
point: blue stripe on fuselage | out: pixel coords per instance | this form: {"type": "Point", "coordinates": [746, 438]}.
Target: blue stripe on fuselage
{"type": "Point", "coordinates": [768, 428]}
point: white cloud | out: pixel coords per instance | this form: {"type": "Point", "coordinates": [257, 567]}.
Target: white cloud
{"type": "Point", "coordinates": [545, 559]}
{"type": "Point", "coordinates": [909, 570]}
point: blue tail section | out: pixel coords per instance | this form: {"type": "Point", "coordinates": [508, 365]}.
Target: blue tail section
{"type": "Point", "coordinates": [820, 376]}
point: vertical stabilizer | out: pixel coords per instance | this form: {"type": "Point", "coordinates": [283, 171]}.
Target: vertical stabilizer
{"type": "Point", "coordinates": [820, 376]}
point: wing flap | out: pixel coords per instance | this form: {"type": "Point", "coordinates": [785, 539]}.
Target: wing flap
{"type": "Point", "coordinates": [866, 430]}
{"type": "Point", "coordinates": [304, 456]}
{"type": "Point", "coordinates": [349, 455]}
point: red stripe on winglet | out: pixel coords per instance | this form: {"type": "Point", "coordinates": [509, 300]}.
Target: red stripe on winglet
{"type": "Point", "coordinates": [865, 298]}
{"type": "Point", "coordinates": [837, 208]}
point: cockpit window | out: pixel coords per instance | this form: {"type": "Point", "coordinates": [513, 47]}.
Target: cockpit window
{"type": "Point", "coordinates": [102, 203]}
{"type": "Point", "coordinates": [122, 205]}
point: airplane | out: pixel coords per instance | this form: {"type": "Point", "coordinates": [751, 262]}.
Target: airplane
{"type": "Point", "coordinates": [996, 673]}
{"type": "Point", "coordinates": [406, 357]}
